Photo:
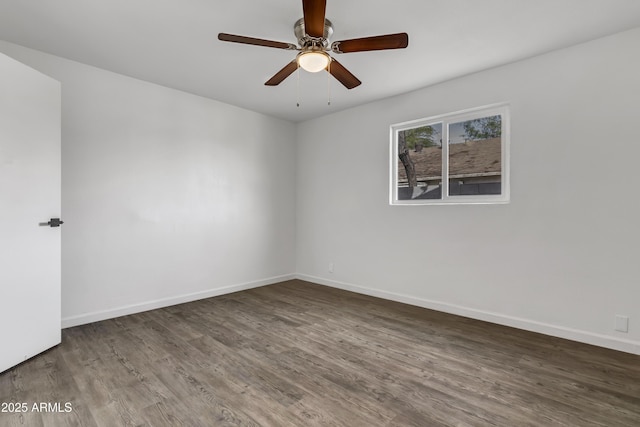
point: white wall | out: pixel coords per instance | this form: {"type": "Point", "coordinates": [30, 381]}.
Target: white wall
{"type": "Point", "coordinates": [561, 258]}
{"type": "Point", "coordinates": [166, 196]}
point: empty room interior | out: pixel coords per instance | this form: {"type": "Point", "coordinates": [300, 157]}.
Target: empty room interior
{"type": "Point", "coordinates": [319, 213]}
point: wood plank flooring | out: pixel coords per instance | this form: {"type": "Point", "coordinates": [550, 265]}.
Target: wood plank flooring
{"type": "Point", "coordinates": [299, 354]}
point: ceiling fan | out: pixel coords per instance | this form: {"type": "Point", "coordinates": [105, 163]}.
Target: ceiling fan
{"type": "Point", "coordinates": [313, 32]}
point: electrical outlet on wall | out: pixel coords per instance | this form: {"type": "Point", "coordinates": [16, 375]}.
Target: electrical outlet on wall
{"type": "Point", "coordinates": [622, 323]}
{"type": "Point", "coordinates": [331, 267]}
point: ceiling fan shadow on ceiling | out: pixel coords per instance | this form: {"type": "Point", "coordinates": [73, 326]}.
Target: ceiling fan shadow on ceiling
{"type": "Point", "coordinates": [313, 31]}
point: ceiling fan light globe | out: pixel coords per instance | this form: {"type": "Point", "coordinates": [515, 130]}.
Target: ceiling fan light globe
{"type": "Point", "coordinates": [313, 61]}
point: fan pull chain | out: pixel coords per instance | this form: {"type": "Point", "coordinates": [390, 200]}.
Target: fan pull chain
{"type": "Point", "coordinates": [329, 83]}
{"type": "Point", "coordinates": [298, 87]}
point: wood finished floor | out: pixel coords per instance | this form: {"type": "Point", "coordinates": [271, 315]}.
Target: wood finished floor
{"type": "Point", "coordinates": [298, 354]}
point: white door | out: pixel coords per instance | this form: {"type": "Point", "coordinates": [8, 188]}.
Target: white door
{"type": "Point", "coordinates": [30, 319]}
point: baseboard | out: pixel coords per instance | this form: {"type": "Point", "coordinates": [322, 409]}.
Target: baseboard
{"type": "Point", "coordinates": [599, 340]}
{"type": "Point", "coordinates": [97, 316]}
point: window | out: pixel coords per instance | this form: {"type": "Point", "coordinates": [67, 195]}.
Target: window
{"type": "Point", "coordinates": [470, 167]}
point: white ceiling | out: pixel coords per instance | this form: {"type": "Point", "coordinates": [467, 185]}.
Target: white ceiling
{"type": "Point", "coordinates": [174, 42]}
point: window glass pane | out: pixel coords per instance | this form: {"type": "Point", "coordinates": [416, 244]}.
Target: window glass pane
{"type": "Point", "coordinates": [420, 162]}
{"type": "Point", "coordinates": [475, 156]}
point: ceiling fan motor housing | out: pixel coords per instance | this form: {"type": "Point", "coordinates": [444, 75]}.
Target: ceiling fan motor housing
{"type": "Point", "coordinates": [307, 42]}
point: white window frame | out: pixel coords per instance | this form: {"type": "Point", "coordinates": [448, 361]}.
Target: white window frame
{"type": "Point", "coordinates": [501, 109]}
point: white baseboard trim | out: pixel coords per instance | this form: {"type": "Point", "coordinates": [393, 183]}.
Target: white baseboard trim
{"type": "Point", "coordinates": [599, 340]}
{"type": "Point", "coordinates": [97, 316]}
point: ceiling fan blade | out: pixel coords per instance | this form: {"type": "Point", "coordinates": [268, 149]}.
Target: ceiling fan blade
{"type": "Point", "coordinates": [343, 75]}
{"type": "Point", "coordinates": [388, 41]}
{"type": "Point", "coordinates": [256, 42]}
{"type": "Point", "coordinates": [282, 74]}
{"type": "Point", "coordinates": [314, 11]}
